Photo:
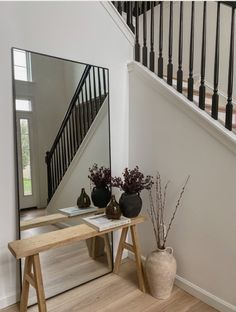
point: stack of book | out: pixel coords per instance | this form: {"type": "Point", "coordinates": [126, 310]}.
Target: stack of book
{"type": "Point", "coordinates": [75, 211]}
{"type": "Point", "coordinates": [101, 222]}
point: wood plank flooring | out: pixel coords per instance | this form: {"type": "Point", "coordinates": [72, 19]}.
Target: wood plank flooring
{"type": "Point", "coordinates": [119, 293]}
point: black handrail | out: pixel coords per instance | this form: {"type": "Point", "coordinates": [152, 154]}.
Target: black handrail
{"type": "Point", "coordinates": [83, 108]}
{"type": "Point", "coordinates": [154, 27]}
{"type": "Point", "coordinates": [72, 103]}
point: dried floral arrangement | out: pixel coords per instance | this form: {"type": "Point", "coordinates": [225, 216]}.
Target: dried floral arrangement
{"type": "Point", "coordinates": [157, 208]}
{"type": "Point", "coordinates": [133, 181]}
{"type": "Point", "coordinates": [100, 176]}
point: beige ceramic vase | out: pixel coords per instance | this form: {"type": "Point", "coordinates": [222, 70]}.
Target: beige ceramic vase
{"type": "Point", "coordinates": [161, 271]}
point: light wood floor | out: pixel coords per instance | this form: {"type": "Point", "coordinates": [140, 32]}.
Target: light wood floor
{"type": "Point", "coordinates": [113, 293]}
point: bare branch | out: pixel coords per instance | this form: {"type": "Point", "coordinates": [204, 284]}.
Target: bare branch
{"type": "Point", "coordinates": [176, 208]}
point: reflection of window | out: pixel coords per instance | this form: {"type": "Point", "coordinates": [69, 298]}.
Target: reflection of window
{"type": "Point", "coordinates": [25, 156]}
{"type": "Point", "coordinates": [22, 65]}
{"type": "Point", "coordinates": [23, 105]}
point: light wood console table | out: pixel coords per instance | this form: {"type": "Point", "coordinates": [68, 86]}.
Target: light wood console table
{"type": "Point", "coordinates": [29, 248]}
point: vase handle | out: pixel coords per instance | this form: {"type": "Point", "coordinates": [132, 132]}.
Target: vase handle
{"type": "Point", "coordinates": [170, 250]}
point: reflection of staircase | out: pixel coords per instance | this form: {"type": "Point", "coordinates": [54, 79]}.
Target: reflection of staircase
{"type": "Point", "coordinates": [150, 29]}
{"type": "Point", "coordinates": [89, 96]}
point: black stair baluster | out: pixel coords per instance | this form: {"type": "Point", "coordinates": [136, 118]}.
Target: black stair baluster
{"type": "Point", "coordinates": [56, 166]}
{"type": "Point", "coordinates": [58, 163]}
{"type": "Point", "coordinates": [68, 145]}
{"type": "Point", "coordinates": [131, 16]}
{"type": "Point", "coordinates": [70, 121]}
{"type": "Point", "coordinates": [91, 99]}
{"type": "Point", "coordinates": [137, 45]}
{"type": "Point", "coordinates": [52, 173]}
{"type": "Point", "coordinates": [86, 107]}
{"type": "Point", "coordinates": [77, 122]}
{"type": "Point", "coordinates": [191, 56]}
{"type": "Point", "coordinates": [83, 113]}
{"type": "Point", "coordinates": [76, 134]}
{"type": "Point", "coordinates": [99, 88]}
{"type": "Point", "coordinates": [89, 102]}
{"type": "Point", "coordinates": [95, 92]}
{"type": "Point", "coordinates": [160, 58]}
{"type": "Point", "coordinates": [59, 158]}
{"type": "Point", "coordinates": [202, 88]}
{"type": "Point", "coordinates": [63, 152]}
{"type": "Point", "coordinates": [74, 130]}
{"type": "Point", "coordinates": [215, 96]}
{"type": "Point", "coordinates": [70, 137]}
{"type": "Point", "coordinates": [180, 55]}
{"type": "Point", "coordinates": [170, 65]}
{"type": "Point", "coordinates": [49, 177]}
{"type": "Point", "coordinates": [80, 111]}
{"type": "Point", "coordinates": [104, 81]}
{"type": "Point", "coordinates": [152, 53]}
{"type": "Point", "coordinates": [229, 105]}
{"type": "Point", "coordinates": [128, 13]}
{"type": "Point", "coordinates": [144, 49]}
{"type": "Point", "coordinates": [119, 7]}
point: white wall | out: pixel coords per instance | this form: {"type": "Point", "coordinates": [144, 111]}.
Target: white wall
{"type": "Point", "coordinates": [225, 24]}
{"type": "Point", "coordinates": [94, 149]}
{"type": "Point", "coordinates": [165, 138]}
{"type": "Point", "coordinates": [80, 31]}
{"type": "Point", "coordinates": [54, 84]}
{"type": "Point", "coordinates": [72, 75]}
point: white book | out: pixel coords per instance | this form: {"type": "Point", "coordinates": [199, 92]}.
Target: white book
{"type": "Point", "coordinates": [101, 222]}
{"type": "Point", "coordinates": [75, 211]}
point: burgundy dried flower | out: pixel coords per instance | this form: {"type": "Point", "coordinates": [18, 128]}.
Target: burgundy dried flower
{"type": "Point", "coordinates": [133, 181]}
{"type": "Point", "coordinates": [100, 177]}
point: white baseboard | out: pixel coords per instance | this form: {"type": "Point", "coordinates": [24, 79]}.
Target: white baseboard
{"type": "Point", "coordinates": [204, 295]}
{"type": "Point", "coordinates": [198, 292]}
{"type": "Point", "coordinates": [9, 300]}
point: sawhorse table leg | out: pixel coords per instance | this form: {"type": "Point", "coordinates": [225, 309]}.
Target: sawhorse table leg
{"type": "Point", "coordinates": [33, 278]}
{"type": "Point", "coordinates": [135, 248]}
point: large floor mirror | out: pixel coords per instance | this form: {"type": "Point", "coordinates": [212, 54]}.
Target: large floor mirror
{"type": "Point", "coordinates": [61, 111]}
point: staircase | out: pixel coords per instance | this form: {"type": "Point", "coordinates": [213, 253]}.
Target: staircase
{"type": "Point", "coordinates": [89, 96]}
{"type": "Point", "coordinates": [208, 98]}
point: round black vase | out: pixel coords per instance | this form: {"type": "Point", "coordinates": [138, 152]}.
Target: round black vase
{"type": "Point", "coordinates": [100, 196]}
{"type": "Point", "coordinates": [130, 205]}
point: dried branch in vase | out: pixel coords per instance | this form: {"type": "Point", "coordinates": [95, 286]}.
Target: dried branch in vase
{"type": "Point", "coordinates": [157, 208]}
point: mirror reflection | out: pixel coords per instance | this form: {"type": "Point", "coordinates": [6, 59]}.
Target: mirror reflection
{"type": "Point", "coordinates": [62, 129]}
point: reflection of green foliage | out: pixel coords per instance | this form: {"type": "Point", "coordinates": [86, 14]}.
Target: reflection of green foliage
{"type": "Point", "coordinates": [25, 144]}
{"type": "Point", "coordinates": [27, 186]}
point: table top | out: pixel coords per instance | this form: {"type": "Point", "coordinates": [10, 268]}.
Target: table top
{"type": "Point", "coordinates": [51, 219]}
{"type": "Point", "coordinates": [42, 242]}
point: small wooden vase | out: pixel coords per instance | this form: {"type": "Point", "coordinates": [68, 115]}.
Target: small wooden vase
{"type": "Point", "coordinates": [83, 201]}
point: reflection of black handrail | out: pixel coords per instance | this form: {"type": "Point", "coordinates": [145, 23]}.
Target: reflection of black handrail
{"type": "Point", "coordinates": [84, 106]}
{"type": "Point", "coordinates": [72, 104]}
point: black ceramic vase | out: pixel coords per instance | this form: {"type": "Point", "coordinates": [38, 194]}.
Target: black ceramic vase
{"type": "Point", "coordinates": [83, 201]}
{"type": "Point", "coordinates": [100, 196]}
{"type": "Point", "coordinates": [113, 209]}
{"type": "Point", "coordinates": [130, 205]}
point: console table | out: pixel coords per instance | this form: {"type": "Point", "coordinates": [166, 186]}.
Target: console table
{"type": "Point", "coordinates": [29, 248]}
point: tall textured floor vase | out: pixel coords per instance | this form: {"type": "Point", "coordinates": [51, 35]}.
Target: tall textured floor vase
{"type": "Point", "coordinates": [161, 270]}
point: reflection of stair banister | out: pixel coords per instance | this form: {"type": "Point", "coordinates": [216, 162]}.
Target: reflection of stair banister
{"type": "Point", "coordinates": [140, 8]}
{"type": "Point", "coordinates": [84, 106]}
